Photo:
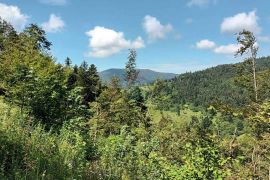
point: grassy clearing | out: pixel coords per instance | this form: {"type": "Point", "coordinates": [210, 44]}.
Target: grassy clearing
{"type": "Point", "coordinates": [185, 116]}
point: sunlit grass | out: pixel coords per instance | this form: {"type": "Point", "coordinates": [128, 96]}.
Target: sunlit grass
{"type": "Point", "coordinates": [185, 115]}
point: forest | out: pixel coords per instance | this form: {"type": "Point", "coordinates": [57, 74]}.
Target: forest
{"type": "Point", "coordinates": [60, 121]}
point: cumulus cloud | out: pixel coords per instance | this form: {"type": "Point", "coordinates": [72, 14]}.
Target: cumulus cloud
{"type": "Point", "coordinates": [54, 24]}
{"type": "Point", "coordinates": [205, 44]}
{"type": "Point", "coordinates": [229, 49]}
{"type": "Point", "coordinates": [105, 42]}
{"type": "Point", "coordinates": [13, 15]}
{"type": "Point", "coordinates": [238, 22]}
{"type": "Point", "coordinates": [199, 3]}
{"type": "Point", "coordinates": [154, 29]}
{"type": "Point", "coordinates": [54, 2]}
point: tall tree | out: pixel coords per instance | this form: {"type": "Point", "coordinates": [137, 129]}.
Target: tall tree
{"type": "Point", "coordinates": [95, 85]}
{"type": "Point", "coordinates": [7, 34]}
{"type": "Point", "coordinates": [131, 72]}
{"type": "Point", "coordinates": [68, 62]}
{"type": "Point", "coordinates": [248, 44]}
{"type": "Point", "coordinates": [88, 79]}
{"type": "Point", "coordinates": [37, 36]}
{"type": "Point", "coordinates": [72, 78]}
{"type": "Point", "coordinates": [112, 110]}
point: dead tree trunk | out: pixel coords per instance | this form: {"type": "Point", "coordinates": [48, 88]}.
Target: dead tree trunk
{"type": "Point", "coordinates": [254, 77]}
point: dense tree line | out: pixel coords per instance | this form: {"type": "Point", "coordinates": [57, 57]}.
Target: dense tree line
{"type": "Point", "coordinates": [222, 85]}
{"type": "Point", "coordinates": [59, 122]}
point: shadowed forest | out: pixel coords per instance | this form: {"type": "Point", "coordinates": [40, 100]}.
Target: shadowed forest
{"type": "Point", "coordinates": [61, 121]}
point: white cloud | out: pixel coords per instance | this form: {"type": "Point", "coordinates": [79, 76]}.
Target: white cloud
{"type": "Point", "coordinates": [13, 15]}
{"type": "Point", "coordinates": [263, 39]}
{"type": "Point", "coordinates": [105, 42]}
{"type": "Point", "coordinates": [205, 44]}
{"type": "Point", "coordinates": [229, 49]}
{"type": "Point", "coordinates": [238, 22]}
{"type": "Point", "coordinates": [199, 3]}
{"type": "Point", "coordinates": [54, 2]}
{"type": "Point", "coordinates": [54, 24]}
{"type": "Point", "coordinates": [154, 29]}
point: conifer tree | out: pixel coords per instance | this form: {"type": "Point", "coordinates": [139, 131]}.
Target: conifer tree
{"type": "Point", "coordinates": [72, 78]}
{"type": "Point", "coordinates": [88, 79]}
{"type": "Point", "coordinates": [68, 62]}
{"type": "Point", "coordinates": [131, 72]}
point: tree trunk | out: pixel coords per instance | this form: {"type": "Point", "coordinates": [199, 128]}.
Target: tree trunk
{"type": "Point", "coordinates": [254, 54]}
{"type": "Point", "coordinates": [254, 79]}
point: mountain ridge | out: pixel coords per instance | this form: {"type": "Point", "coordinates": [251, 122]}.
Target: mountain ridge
{"type": "Point", "coordinates": [145, 76]}
{"type": "Point", "coordinates": [216, 85]}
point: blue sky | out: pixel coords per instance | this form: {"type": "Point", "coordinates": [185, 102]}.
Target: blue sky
{"type": "Point", "coordinates": [169, 35]}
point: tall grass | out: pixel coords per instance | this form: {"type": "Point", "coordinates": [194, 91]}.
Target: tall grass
{"type": "Point", "coordinates": [27, 151]}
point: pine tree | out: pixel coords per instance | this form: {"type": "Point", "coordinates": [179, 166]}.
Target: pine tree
{"type": "Point", "coordinates": [131, 72]}
{"type": "Point", "coordinates": [95, 85]}
{"type": "Point", "coordinates": [88, 79]}
{"type": "Point", "coordinates": [72, 78]}
{"type": "Point", "coordinates": [68, 62]}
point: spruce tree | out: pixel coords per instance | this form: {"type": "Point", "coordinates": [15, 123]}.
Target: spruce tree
{"type": "Point", "coordinates": [88, 79]}
{"type": "Point", "coordinates": [131, 72]}
{"type": "Point", "coordinates": [68, 62]}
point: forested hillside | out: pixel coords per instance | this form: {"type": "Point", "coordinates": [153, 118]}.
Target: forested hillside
{"type": "Point", "coordinates": [216, 86]}
{"type": "Point", "coordinates": [145, 76]}
{"type": "Point", "coordinates": [58, 121]}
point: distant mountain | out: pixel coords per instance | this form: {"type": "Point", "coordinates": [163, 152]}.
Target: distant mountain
{"type": "Point", "coordinates": [145, 75]}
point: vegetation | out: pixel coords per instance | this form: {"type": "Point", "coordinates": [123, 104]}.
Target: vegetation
{"type": "Point", "coordinates": [145, 76]}
{"type": "Point", "coordinates": [225, 86]}
{"type": "Point", "coordinates": [59, 121]}
{"type": "Point", "coordinates": [248, 44]}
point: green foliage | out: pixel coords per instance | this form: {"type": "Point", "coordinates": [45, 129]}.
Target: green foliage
{"type": "Point", "coordinates": [30, 152]}
{"type": "Point", "coordinates": [113, 109]}
{"type": "Point", "coordinates": [37, 36]}
{"type": "Point", "coordinates": [131, 72]}
{"type": "Point", "coordinates": [219, 86]}
{"type": "Point", "coordinates": [135, 94]}
{"type": "Point", "coordinates": [126, 157]}
{"type": "Point", "coordinates": [263, 113]}
{"type": "Point", "coordinates": [87, 78]}
{"type": "Point", "coordinates": [203, 162]}
{"type": "Point", "coordinates": [8, 35]}
{"type": "Point", "coordinates": [58, 122]}
{"type": "Point", "coordinates": [68, 62]}
{"type": "Point", "coordinates": [160, 95]}
{"type": "Point", "coordinates": [260, 118]}
{"type": "Point", "coordinates": [11, 156]}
